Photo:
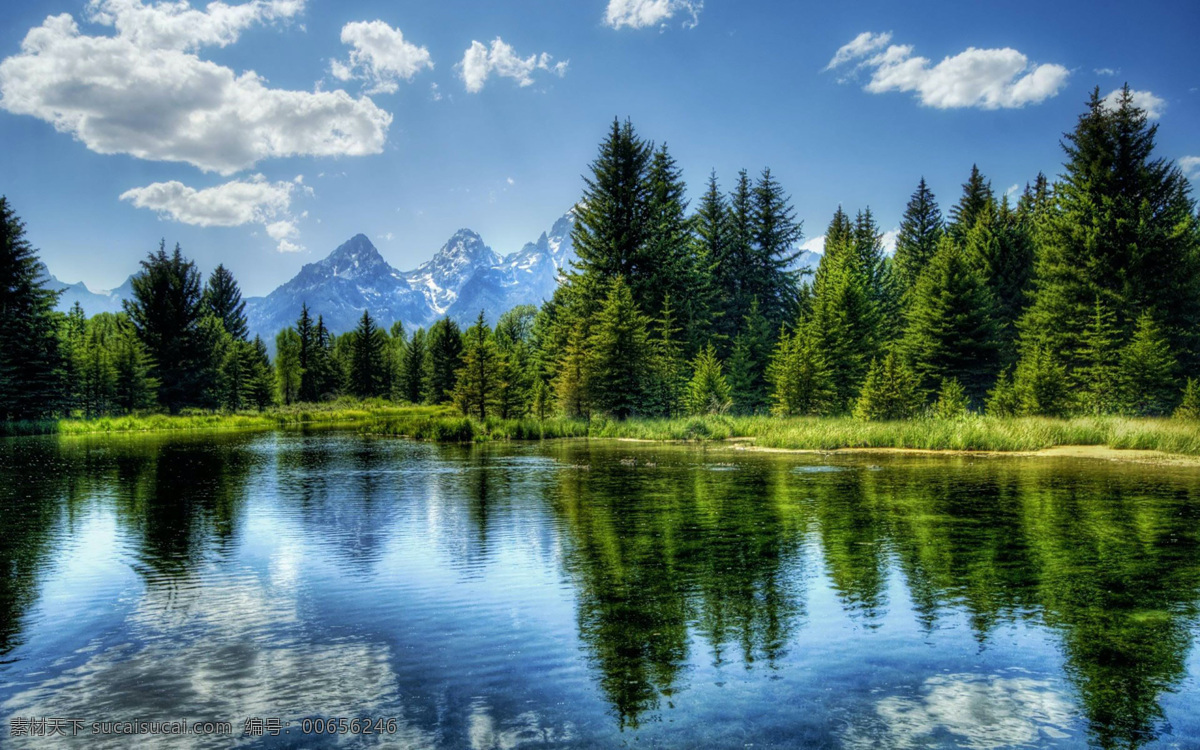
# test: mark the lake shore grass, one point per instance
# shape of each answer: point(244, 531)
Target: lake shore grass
point(340, 412)
point(970, 434)
point(444, 424)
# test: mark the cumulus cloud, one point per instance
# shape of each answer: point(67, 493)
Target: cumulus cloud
point(1153, 106)
point(983, 78)
point(145, 92)
point(638, 14)
point(381, 56)
point(480, 61)
point(860, 46)
point(1190, 166)
point(234, 204)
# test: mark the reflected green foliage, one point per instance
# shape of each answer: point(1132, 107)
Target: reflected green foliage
point(678, 561)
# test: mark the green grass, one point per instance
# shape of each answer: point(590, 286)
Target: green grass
point(969, 434)
point(342, 411)
point(444, 424)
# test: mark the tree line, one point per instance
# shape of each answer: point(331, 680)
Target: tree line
point(1082, 297)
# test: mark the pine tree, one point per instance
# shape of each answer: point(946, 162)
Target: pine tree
point(1000, 248)
point(748, 362)
point(738, 269)
point(414, 371)
point(714, 246)
point(514, 342)
point(288, 372)
point(890, 392)
point(1041, 385)
point(72, 348)
point(481, 376)
point(952, 401)
point(166, 310)
point(98, 371)
point(261, 384)
point(1003, 400)
point(135, 385)
point(235, 376)
point(611, 227)
point(1147, 371)
point(951, 326)
point(368, 365)
point(29, 355)
point(620, 354)
point(671, 263)
point(572, 385)
point(1098, 374)
point(1122, 216)
point(800, 378)
point(665, 389)
point(445, 357)
point(1189, 407)
point(771, 281)
point(708, 392)
point(307, 356)
point(921, 230)
point(543, 399)
point(977, 199)
point(881, 284)
point(223, 299)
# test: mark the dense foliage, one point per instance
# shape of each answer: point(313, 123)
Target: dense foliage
point(1082, 298)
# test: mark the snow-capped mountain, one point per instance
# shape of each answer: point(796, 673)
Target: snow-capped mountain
point(354, 277)
point(462, 278)
point(442, 277)
point(527, 277)
point(93, 303)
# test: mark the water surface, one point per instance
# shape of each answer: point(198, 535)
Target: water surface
point(595, 594)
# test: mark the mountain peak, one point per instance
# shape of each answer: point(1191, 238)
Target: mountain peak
point(354, 258)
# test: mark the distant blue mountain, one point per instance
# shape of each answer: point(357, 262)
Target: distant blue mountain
point(92, 303)
point(462, 278)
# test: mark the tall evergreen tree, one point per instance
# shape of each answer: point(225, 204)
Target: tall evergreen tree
point(714, 250)
point(572, 384)
point(29, 353)
point(1000, 247)
point(445, 357)
point(890, 392)
point(166, 310)
point(261, 385)
point(481, 377)
point(1122, 216)
point(414, 371)
point(307, 357)
point(921, 230)
point(135, 385)
point(672, 265)
point(288, 372)
point(665, 389)
point(620, 354)
point(977, 199)
point(748, 362)
point(223, 299)
point(611, 227)
point(368, 364)
point(771, 279)
point(514, 343)
point(951, 330)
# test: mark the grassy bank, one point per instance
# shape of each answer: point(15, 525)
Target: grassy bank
point(443, 424)
point(346, 411)
point(972, 434)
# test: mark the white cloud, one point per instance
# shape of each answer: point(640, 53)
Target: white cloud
point(289, 247)
point(1153, 106)
point(1190, 166)
point(511, 181)
point(434, 93)
point(983, 78)
point(380, 56)
point(981, 712)
point(233, 204)
point(888, 240)
point(144, 91)
point(480, 61)
point(639, 14)
point(860, 46)
point(1105, 72)
point(814, 245)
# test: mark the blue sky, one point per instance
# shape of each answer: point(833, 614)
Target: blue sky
point(263, 134)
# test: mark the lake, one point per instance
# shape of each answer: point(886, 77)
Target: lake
point(602, 594)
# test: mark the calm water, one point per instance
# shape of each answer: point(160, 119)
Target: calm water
point(603, 595)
